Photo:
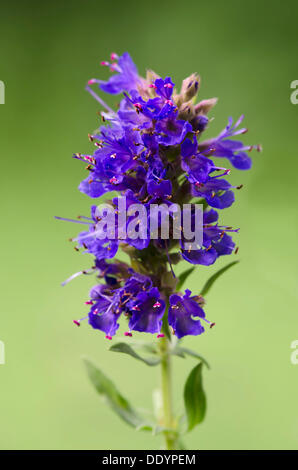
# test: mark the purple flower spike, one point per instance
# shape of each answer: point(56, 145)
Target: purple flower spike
point(151, 152)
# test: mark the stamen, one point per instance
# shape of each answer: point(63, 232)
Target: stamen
point(72, 220)
point(90, 271)
point(78, 322)
point(99, 100)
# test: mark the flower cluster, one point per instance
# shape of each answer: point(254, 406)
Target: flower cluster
point(152, 152)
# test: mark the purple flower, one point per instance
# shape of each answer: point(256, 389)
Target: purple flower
point(172, 131)
point(157, 185)
point(234, 151)
point(185, 314)
point(126, 77)
point(216, 242)
point(196, 165)
point(137, 299)
point(148, 309)
point(164, 88)
point(105, 311)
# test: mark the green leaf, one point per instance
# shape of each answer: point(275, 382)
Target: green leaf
point(105, 387)
point(127, 349)
point(194, 398)
point(183, 277)
point(145, 346)
point(215, 276)
point(179, 351)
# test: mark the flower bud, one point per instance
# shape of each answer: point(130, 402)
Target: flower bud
point(203, 107)
point(190, 87)
point(187, 112)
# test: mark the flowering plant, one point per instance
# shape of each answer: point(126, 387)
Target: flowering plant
point(152, 153)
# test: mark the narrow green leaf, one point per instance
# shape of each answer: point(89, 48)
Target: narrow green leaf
point(105, 387)
point(194, 397)
point(215, 276)
point(180, 351)
point(183, 277)
point(127, 349)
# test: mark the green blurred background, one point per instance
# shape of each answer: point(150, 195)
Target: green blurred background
point(246, 54)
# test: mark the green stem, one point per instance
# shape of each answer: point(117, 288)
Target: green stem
point(166, 389)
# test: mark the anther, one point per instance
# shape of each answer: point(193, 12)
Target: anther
point(138, 106)
point(157, 304)
point(212, 325)
point(76, 322)
point(108, 337)
point(160, 335)
point(127, 333)
point(114, 56)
